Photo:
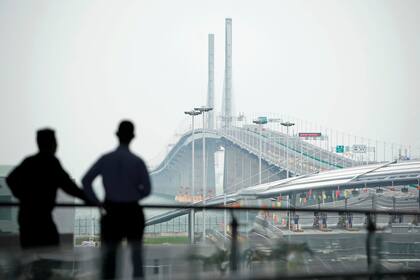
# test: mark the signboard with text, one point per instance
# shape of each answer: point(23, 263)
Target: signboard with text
point(359, 148)
point(310, 134)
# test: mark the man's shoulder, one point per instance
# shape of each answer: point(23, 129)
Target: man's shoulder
point(37, 162)
point(136, 158)
point(116, 154)
point(32, 159)
point(106, 156)
point(110, 156)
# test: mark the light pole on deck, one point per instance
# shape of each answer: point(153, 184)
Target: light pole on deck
point(260, 121)
point(204, 110)
point(192, 113)
point(287, 125)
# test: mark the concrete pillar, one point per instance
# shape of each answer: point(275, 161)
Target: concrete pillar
point(210, 87)
point(227, 111)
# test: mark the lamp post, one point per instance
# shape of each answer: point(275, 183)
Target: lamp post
point(276, 120)
point(260, 121)
point(287, 125)
point(192, 113)
point(204, 110)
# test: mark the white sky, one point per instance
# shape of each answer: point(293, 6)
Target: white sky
point(81, 66)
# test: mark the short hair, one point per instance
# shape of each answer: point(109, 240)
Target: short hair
point(125, 131)
point(45, 139)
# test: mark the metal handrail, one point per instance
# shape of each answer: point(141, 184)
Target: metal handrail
point(242, 208)
point(371, 228)
point(343, 275)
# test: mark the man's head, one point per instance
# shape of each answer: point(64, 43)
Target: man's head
point(125, 132)
point(46, 141)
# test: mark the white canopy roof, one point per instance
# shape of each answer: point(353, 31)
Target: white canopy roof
point(374, 175)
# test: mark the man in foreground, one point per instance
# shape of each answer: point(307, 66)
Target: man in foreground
point(126, 181)
point(34, 183)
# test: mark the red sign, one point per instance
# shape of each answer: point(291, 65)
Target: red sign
point(309, 134)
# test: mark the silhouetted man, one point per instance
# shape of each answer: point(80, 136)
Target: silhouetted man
point(126, 181)
point(35, 182)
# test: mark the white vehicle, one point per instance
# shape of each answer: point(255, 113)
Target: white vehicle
point(88, 244)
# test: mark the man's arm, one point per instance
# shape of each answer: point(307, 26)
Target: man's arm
point(69, 186)
point(145, 186)
point(16, 180)
point(87, 180)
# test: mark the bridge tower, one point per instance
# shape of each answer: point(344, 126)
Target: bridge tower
point(227, 112)
point(210, 87)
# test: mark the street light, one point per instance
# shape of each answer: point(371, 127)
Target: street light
point(204, 110)
point(260, 121)
point(192, 113)
point(287, 125)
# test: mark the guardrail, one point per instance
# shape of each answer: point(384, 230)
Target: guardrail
point(234, 243)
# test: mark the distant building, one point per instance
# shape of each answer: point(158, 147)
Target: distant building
point(8, 215)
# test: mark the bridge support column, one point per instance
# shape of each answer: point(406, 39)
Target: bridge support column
point(191, 226)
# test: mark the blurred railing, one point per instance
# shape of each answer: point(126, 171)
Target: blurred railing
point(246, 242)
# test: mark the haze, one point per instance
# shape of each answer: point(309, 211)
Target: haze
point(82, 66)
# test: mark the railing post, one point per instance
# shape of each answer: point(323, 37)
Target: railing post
point(374, 205)
point(234, 245)
point(191, 226)
point(155, 266)
point(418, 187)
point(371, 228)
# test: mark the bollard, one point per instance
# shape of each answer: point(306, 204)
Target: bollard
point(316, 220)
point(234, 245)
point(155, 266)
point(371, 228)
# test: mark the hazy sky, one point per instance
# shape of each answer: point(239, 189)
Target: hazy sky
point(81, 66)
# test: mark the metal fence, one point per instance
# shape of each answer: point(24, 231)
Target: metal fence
point(263, 250)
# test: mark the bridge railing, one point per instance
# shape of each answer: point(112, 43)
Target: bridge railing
point(303, 157)
point(243, 241)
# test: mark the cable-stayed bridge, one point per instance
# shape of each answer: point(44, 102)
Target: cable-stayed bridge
point(241, 148)
point(245, 151)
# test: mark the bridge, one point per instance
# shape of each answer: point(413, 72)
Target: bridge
point(241, 148)
point(256, 149)
point(265, 156)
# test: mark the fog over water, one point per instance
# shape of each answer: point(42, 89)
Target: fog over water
point(81, 66)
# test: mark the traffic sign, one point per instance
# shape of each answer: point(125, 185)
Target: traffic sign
point(262, 120)
point(339, 149)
